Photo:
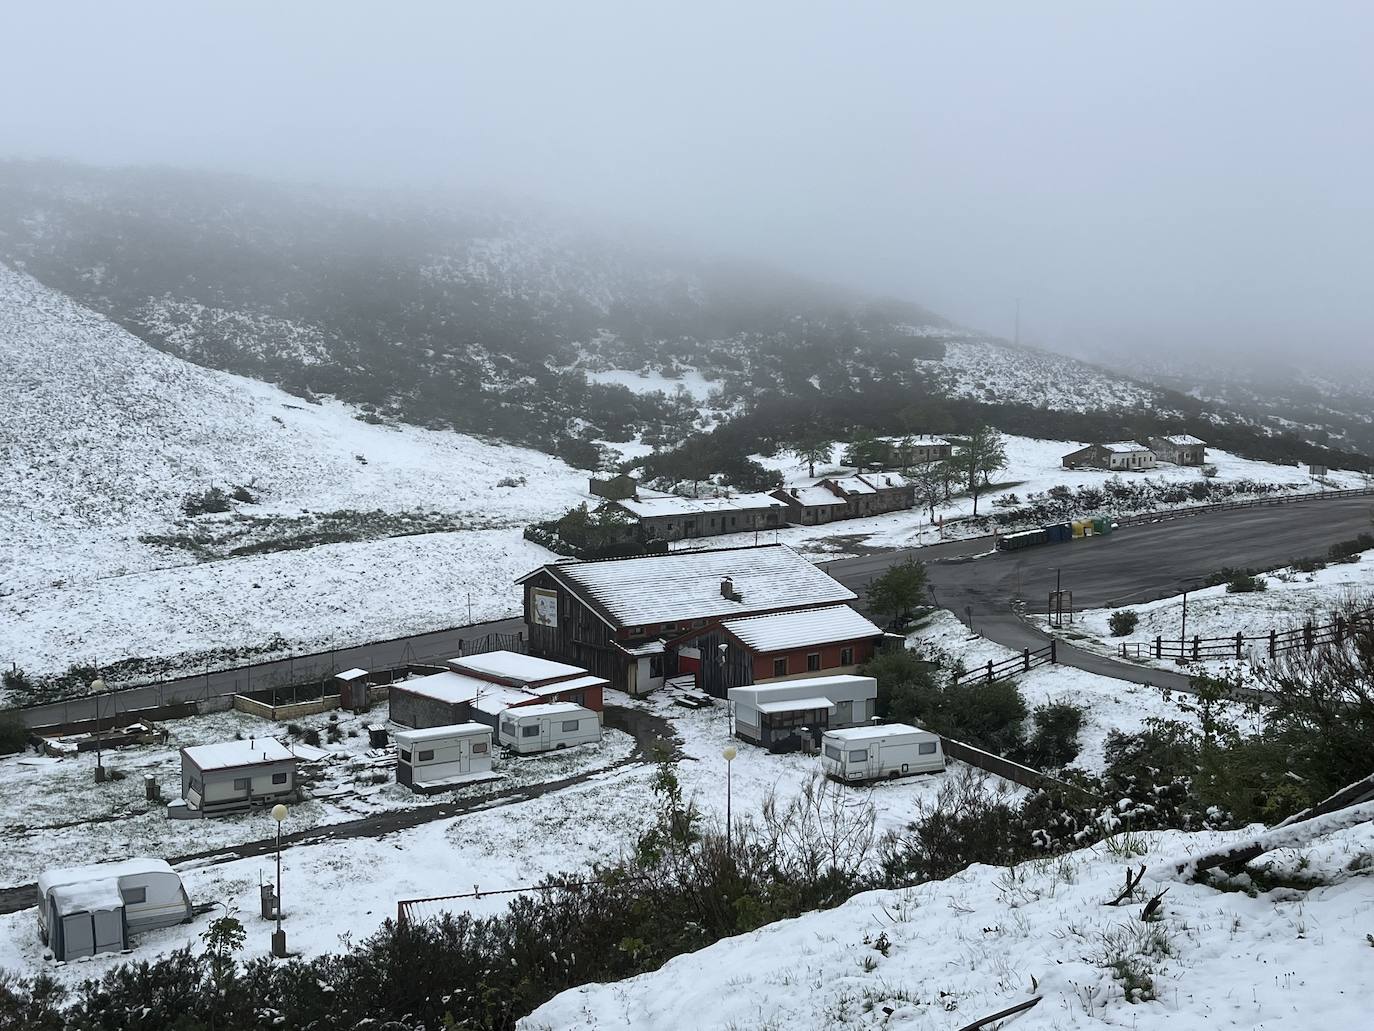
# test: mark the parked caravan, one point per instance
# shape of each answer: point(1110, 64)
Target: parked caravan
point(776, 715)
point(527, 729)
point(872, 753)
point(85, 910)
point(438, 755)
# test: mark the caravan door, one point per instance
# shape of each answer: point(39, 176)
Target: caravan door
point(545, 738)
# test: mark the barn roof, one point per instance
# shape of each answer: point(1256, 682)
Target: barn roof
point(782, 631)
point(686, 584)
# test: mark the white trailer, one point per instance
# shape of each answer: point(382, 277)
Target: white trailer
point(871, 753)
point(437, 756)
point(541, 728)
point(84, 910)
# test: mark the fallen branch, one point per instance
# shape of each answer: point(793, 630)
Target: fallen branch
point(1020, 1007)
point(1131, 884)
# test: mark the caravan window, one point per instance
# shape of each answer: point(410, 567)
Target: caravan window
point(831, 752)
point(508, 728)
point(531, 731)
point(426, 755)
point(278, 778)
point(134, 896)
point(926, 748)
point(569, 726)
point(859, 755)
point(405, 755)
point(242, 783)
point(479, 748)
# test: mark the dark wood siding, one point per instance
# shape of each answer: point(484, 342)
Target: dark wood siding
point(581, 637)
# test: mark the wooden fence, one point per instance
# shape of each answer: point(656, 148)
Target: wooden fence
point(1240, 645)
point(1008, 668)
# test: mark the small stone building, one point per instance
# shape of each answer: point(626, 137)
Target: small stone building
point(1180, 449)
point(1120, 456)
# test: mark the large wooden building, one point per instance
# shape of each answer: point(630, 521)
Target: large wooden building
point(672, 518)
point(637, 621)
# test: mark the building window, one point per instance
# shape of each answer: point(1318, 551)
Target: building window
point(655, 666)
point(668, 626)
point(242, 783)
point(698, 622)
point(134, 896)
point(847, 656)
point(530, 731)
point(636, 631)
point(780, 667)
point(926, 748)
point(426, 755)
point(278, 778)
point(479, 748)
point(813, 662)
point(570, 726)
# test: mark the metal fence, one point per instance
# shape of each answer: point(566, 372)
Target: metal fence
point(1008, 668)
point(1240, 645)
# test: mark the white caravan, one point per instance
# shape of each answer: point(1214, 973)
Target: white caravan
point(870, 753)
point(541, 728)
point(84, 910)
point(439, 754)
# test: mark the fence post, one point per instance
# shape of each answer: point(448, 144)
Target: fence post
point(1054, 654)
point(1197, 647)
point(989, 671)
point(1340, 629)
point(1273, 643)
point(1240, 643)
point(1307, 641)
point(1159, 646)
point(1025, 659)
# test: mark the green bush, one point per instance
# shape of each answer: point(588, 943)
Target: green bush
point(1245, 583)
point(1053, 741)
point(212, 500)
point(1123, 622)
point(14, 736)
point(15, 679)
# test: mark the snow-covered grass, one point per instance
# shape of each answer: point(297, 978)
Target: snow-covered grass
point(1290, 598)
point(642, 382)
point(53, 807)
point(101, 439)
point(1110, 704)
point(941, 954)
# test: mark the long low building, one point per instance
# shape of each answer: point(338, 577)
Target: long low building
point(481, 687)
point(671, 518)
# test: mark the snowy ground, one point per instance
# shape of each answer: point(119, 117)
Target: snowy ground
point(651, 382)
point(51, 807)
point(507, 846)
point(1110, 704)
point(1290, 599)
point(941, 954)
point(101, 439)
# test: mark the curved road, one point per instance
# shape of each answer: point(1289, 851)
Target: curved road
point(1132, 565)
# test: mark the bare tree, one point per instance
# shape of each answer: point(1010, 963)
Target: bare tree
point(984, 453)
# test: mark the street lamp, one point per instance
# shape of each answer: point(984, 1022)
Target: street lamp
point(279, 936)
point(729, 753)
point(96, 689)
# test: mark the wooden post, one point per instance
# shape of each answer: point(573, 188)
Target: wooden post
point(1197, 647)
point(1159, 646)
point(1273, 643)
point(1025, 659)
point(989, 671)
point(1054, 654)
point(1340, 629)
point(1307, 640)
point(1240, 643)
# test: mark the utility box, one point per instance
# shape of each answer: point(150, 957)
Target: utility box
point(268, 897)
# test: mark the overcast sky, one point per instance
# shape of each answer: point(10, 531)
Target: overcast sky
point(1136, 173)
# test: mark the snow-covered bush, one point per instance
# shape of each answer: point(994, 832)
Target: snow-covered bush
point(1122, 622)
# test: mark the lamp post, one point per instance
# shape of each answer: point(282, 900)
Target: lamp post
point(98, 688)
point(729, 753)
point(279, 936)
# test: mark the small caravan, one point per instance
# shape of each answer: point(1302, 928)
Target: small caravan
point(85, 910)
point(438, 755)
point(871, 753)
point(541, 728)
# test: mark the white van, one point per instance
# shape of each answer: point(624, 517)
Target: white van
point(85, 910)
point(870, 753)
point(541, 728)
point(439, 754)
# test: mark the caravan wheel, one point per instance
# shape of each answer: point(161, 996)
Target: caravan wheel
point(893, 775)
point(560, 746)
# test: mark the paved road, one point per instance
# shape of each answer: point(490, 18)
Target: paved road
point(652, 735)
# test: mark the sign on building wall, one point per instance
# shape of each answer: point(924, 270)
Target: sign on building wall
point(544, 606)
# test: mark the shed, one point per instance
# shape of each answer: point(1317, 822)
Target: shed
point(437, 757)
point(354, 690)
point(85, 910)
point(235, 776)
point(769, 714)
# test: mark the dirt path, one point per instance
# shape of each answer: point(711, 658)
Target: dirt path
point(651, 734)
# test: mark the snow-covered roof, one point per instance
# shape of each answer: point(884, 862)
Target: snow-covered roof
point(1124, 447)
point(657, 647)
point(679, 506)
point(795, 705)
point(884, 730)
point(350, 674)
point(406, 737)
point(525, 669)
point(854, 485)
point(686, 584)
point(88, 896)
point(815, 495)
point(918, 440)
point(839, 688)
point(577, 683)
point(101, 871)
point(451, 688)
point(784, 630)
point(497, 698)
point(550, 709)
point(229, 754)
point(1183, 439)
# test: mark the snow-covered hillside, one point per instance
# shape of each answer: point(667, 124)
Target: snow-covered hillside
point(102, 438)
point(1001, 374)
point(941, 954)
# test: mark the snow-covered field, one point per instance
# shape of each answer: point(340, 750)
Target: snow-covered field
point(101, 439)
point(506, 846)
point(944, 953)
point(1290, 598)
point(650, 382)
